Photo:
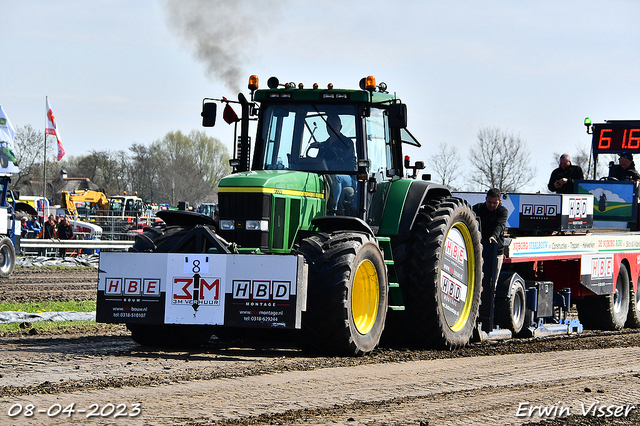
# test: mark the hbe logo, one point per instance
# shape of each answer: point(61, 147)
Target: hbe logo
point(132, 287)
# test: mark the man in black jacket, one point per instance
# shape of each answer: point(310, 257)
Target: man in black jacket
point(493, 220)
point(65, 232)
point(626, 169)
point(562, 178)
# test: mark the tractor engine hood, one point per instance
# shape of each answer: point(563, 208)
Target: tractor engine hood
point(286, 182)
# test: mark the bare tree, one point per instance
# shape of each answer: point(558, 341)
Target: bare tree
point(190, 166)
point(143, 172)
point(446, 165)
point(29, 146)
point(500, 160)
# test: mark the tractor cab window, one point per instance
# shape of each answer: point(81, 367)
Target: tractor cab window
point(378, 146)
point(308, 137)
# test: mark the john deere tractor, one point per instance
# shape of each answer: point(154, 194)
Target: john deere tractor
point(319, 232)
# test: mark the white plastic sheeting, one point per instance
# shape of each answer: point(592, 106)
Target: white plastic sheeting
point(9, 316)
point(80, 260)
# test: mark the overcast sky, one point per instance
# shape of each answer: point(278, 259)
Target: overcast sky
point(118, 72)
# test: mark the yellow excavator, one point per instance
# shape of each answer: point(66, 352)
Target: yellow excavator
point(85, 202)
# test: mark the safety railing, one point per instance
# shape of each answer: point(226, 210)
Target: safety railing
point(75, 244)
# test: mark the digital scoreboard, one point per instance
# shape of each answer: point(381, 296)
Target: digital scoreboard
point(614, 137)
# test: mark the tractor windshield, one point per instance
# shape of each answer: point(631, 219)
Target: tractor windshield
point(308, 137)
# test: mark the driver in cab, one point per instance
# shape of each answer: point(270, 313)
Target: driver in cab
point(339, 154)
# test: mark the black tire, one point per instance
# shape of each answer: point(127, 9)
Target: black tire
point(160, 240)
point(7, 257)
point(438, 318)
point(347, 294)
point(633, 317)
point(607, 312)
point(510, 309)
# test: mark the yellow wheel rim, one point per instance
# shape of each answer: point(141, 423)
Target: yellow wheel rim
point(365, 297)
point(469, 275)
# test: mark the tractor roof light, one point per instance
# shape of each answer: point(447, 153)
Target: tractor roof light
point(290, 85)
point(273, 83)
point(382, 87)
point(370, 83)
point(330, 86)
point(253, 83)
point(300, 86)
point(315, 85)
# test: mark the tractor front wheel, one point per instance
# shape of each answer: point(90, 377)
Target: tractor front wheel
point(347, 294)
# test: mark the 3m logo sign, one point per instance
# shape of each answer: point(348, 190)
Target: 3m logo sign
point(132, 287)
point(192, 290)
point(577, 208)
point(258, 290)
point(539, 210)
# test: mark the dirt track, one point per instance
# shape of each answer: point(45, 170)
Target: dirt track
point(231, 382)
point(36, 284)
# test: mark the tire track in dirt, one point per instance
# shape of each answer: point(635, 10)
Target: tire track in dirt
point(435, 391)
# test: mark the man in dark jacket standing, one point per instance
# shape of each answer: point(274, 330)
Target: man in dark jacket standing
point(65, 232)
point(493, 220)
point(562, 179)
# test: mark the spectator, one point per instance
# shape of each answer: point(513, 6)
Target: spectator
point(23, 227)
point(48, 231)
point(33, 228)
point(626, 169)
point(65, 232)
point(562, 179)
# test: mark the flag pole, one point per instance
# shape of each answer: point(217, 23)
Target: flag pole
point(44, 179)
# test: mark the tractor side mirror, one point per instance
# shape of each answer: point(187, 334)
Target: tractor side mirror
point(209, 114)
point(397, 116)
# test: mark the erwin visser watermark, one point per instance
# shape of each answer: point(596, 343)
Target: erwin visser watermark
point(594, 409)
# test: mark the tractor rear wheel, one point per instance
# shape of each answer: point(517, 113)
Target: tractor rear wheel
point(161, 240)
point(347, 294)
point(443, 281)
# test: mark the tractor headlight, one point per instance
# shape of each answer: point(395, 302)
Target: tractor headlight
point(257, 225)
point(227, 225)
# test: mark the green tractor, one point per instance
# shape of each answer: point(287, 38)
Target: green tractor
point(319, 231)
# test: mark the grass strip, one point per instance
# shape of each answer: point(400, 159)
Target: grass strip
point(50, 306)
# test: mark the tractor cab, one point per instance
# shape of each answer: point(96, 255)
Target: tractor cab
point(335, 151)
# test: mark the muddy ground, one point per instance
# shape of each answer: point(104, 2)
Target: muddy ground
point(590, 379)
